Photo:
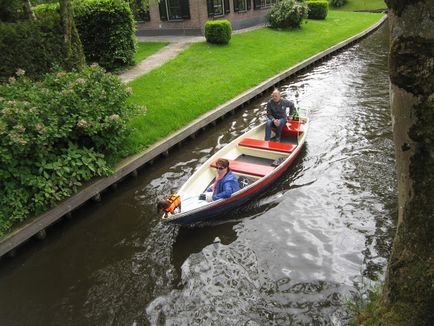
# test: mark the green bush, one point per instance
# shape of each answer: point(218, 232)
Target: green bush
point(34, 46)
point(218, 31)
point(337, 3)
point(287, 14)
point(318, 9)
point(55, 135)
point(107, 32)
point(11, 10)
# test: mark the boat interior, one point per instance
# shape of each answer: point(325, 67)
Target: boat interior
point(250, 158)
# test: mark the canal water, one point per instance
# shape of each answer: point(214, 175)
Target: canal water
point(294, 256)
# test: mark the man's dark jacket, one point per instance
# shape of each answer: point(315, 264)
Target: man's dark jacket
point(277, 110)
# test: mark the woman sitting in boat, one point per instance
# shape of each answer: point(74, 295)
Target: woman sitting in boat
point(225, 184)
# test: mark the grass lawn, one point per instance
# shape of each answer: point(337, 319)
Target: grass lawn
point(352, 5)
point(205, 76)
point(145, 49)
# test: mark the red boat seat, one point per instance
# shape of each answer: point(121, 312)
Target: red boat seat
point(292, 128)
point(267, 145)
point(248, 168)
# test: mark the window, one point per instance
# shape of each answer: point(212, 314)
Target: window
point(259, 4)
point(174, 9)
point(242, 5)
point(218, 8)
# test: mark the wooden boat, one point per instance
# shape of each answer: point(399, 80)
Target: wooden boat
point(257, 164)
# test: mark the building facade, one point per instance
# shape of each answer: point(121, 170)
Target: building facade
point(188, 17)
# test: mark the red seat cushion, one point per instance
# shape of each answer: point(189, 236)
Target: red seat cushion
point(293, 128)
point(248, 168)
point(268, 145)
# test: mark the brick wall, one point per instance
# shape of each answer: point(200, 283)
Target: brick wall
point(199, 15)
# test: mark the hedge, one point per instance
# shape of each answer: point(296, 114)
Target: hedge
point(34, 46)
point(106, 29)
point(337, 3)
point(54, 135)
point(218, 31)
point(107, 32)
point(318, 9)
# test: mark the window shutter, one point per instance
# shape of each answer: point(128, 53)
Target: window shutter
point(249, 4)
point(185, 9)
point(163, 11)
point(236, 8)
point(210, 7)
point(257, 4)
point(227, 7)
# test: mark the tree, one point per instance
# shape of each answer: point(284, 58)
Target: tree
point(408, 296)
point(27, 8)
point(73, 48)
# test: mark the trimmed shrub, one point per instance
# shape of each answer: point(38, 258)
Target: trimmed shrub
point(337, 3)
point(218, 31)
point(54, 135)
point(34, 46)
point(287, 14)
point(107, 32)
point(318, 9)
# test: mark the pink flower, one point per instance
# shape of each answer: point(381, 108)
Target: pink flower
point(82, 124)
point(20, 72)
point(39, 127)
point(20, 128)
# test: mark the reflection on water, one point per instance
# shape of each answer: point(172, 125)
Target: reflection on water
point(290, 257)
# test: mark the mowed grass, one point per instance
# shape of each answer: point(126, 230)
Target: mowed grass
point(145, 49)
point(205, 76)
point(352, 5)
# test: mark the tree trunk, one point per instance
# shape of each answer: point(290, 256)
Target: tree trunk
point(73, 48)
point(27, 8)
point(408, 296)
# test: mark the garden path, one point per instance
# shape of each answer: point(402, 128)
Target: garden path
point(176, 45)
point(157, 59)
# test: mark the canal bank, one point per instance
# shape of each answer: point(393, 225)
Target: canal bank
point(37, 227)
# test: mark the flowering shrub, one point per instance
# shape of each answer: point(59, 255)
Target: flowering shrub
point(287, 14)
point(54, 135)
